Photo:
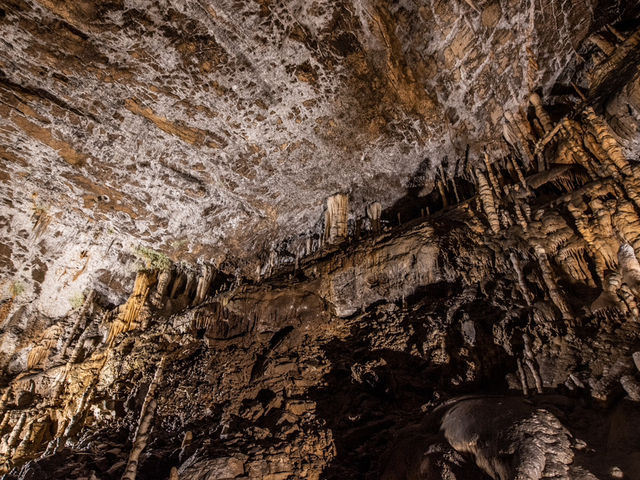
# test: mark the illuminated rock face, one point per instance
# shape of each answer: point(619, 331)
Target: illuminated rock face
point(178, 305)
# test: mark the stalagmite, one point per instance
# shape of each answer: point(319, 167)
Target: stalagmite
point(204, 282)
point(486, 197)
point(630, 268)
point(374, 212)
point(336, 218)
point(144, 425)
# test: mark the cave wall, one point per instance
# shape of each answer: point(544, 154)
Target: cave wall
point(482, 323)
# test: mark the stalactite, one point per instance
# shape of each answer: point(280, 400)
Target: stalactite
point(129, 313)
point(529, 361)
point(505, 220)
point(190, 285)
point(541, 113)
point(548, 137)
point(573, 137)
point(602, 43)
point(40, 352)
point(78, 417)
point(178, 284)
point(573, 262)
point(521, 218)
point(443, 193)
point(495, 186)
point(629, 300)
point(615, 61)
point(609, 143)
point(204, 282)
point(336, 226)
point(597, 151)
point(486, 197)
point(374, 212)
point(14, 436)
point(599, 248)
point(549, 280)
point(631, 386)
point(627, 223)
point(308, 245)
point(516, 167)
point(82, 317)
point(455, 190)
point(523, 135)
point(608, 300)
point(141, 436)
point(159, 296)
point(522, 377)
point(520, 277)
point(534, 374)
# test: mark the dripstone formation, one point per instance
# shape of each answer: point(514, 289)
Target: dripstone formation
point(482, 324)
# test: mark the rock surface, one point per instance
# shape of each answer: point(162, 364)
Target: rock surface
point(198, 128)
point(484, 326)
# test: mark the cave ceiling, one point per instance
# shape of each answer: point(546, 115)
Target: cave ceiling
point(214, 131)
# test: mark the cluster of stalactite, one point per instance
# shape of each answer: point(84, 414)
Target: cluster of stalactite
point(165, 291)
point(548, 157)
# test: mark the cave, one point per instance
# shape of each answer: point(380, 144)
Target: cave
point(318, 240)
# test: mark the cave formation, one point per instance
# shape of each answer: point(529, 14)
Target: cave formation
point(351, 239)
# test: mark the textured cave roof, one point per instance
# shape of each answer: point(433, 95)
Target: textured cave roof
point(211, 130)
